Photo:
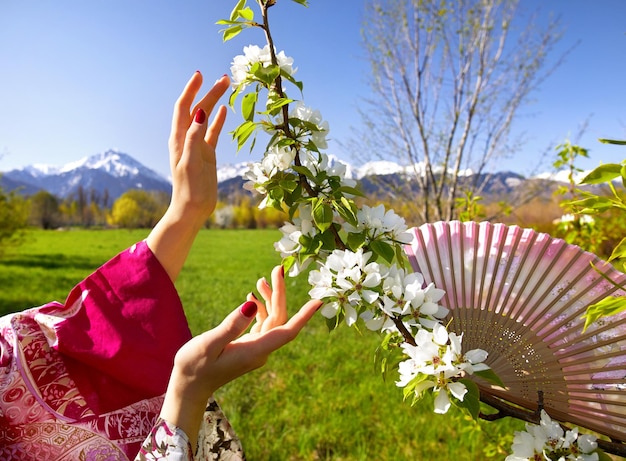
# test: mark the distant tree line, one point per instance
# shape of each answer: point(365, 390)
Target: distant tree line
point(135, 208)
point(88, 208)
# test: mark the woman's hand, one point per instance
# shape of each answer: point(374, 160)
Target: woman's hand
point(220, 355)
point(192, 146)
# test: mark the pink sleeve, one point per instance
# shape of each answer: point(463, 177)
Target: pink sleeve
point(120, 330)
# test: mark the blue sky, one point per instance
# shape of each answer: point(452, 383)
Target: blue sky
point(80, 77)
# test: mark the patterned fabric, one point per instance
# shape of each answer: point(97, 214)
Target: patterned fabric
point(85, 380)
point(216, 441)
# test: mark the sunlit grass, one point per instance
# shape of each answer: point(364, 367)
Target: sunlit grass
point(318, 398)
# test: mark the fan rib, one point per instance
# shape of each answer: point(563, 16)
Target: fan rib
point(520, 295)
point(593, 343)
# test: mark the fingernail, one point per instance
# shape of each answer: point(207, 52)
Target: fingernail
point(253, 295)
point(282, 271)
point(248, 309)
point(200, 116)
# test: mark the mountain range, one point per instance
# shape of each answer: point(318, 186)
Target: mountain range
point(111, 173)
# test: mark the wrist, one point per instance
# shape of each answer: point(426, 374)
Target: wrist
point(184, 405)
point(189, 214)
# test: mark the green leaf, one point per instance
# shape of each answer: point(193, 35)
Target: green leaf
point(400, 256)
point(288, 262)
point(356, 241)
point(304, 171)
point(346, 209)
point(593, 204)
point(310, 245)
point(301, 2)
point(235, 12)
point(288, 184)
point(471, 400)
point(333, 322)
point(609, 141)
point(491, 376)
point(290, 78)
point(322, 215)
point(226, 22)
point(602, 456)
point(276, 193)
point(267, 74)
point(231, 32)
point(243, 132)
point(603, 173)
point(351, 190)
point(248, 103)
point(246, 13)
point(610, 305)
point(619, 251)
point(328, 240)
point(234, 94)
point(382, 249)
point(273, 105)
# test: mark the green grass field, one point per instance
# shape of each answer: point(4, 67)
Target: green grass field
point(316, 399)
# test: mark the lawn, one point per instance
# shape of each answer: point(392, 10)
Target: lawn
point(318, 398)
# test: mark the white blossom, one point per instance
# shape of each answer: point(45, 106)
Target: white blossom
point(403, 296)
point(279, 158)
point(381, 224)
point(290, 244)
point(276, 159)
point(317, 162)
point(300, 111)
point(437, 358)
point(256, 176)
point(549, 441)
point(240, 67)
point(345, 281)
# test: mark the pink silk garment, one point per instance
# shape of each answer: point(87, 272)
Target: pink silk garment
point(84, 380)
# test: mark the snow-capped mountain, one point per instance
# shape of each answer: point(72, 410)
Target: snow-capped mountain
point(109, 172)
point(112, 173)
point(379, 167)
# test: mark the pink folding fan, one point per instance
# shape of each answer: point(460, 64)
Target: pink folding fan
point(520, 295)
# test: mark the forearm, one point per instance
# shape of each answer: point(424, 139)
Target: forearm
point(171, 239)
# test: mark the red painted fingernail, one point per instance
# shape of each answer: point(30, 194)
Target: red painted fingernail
point(248, 309)
point(282, 271)
point(200, 116)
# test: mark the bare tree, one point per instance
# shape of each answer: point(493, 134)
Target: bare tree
point(447, 79)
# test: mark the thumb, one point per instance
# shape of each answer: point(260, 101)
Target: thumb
point(234, 325)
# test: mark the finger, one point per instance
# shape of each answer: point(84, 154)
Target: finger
point(278, 312)
point(213, 133)
point(198, 128)
point(215, 93)
point(181, 118)
point(265, 290)
point(300, 318)
point(231, 328)
point(261, 314)
point(283, 334)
